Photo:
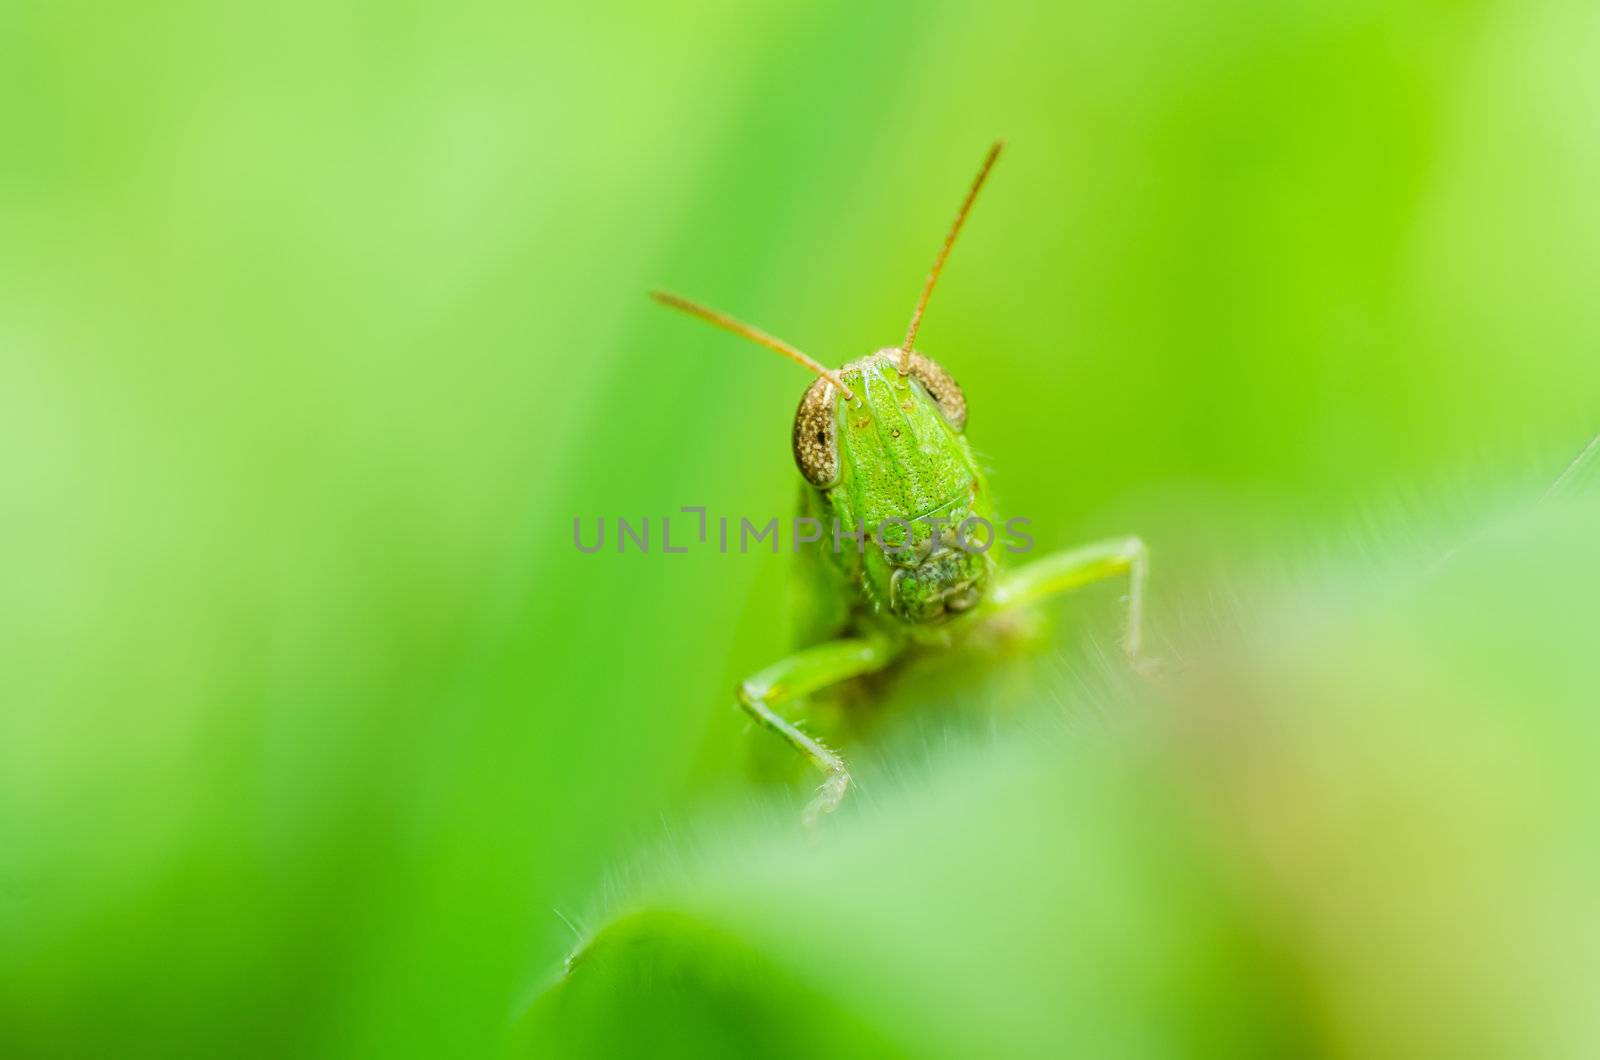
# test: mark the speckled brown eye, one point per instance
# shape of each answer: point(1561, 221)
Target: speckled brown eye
point(942, 388)
point(816, 449)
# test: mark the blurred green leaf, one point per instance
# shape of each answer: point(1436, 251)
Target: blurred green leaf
point(1334, 836)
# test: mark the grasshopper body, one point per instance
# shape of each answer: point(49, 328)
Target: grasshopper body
point(881, 446)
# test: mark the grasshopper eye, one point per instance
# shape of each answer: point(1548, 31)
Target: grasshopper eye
point(816, 449)
point(942, 388)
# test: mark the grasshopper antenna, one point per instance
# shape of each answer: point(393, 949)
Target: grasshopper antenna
point(756, 335)
point(944, 252)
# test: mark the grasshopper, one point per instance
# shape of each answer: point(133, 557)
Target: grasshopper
point(881, 443)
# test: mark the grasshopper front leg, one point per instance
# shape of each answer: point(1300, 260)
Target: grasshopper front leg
point(1063, 571)
point(806, 671)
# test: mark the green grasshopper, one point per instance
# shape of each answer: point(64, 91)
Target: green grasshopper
point(880, 443)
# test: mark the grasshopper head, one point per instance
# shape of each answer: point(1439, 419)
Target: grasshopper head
point(924, 396)
point(893, 459)
point(880, 441)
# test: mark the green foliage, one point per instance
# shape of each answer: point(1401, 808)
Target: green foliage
point(319, 324)
point(1359, 828)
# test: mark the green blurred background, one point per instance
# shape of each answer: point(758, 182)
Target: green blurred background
point(319, 324)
